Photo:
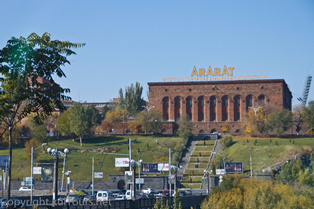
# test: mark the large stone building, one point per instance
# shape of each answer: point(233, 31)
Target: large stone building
point(210, 103)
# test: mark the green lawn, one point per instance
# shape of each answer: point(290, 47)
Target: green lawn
point(201, 154)
point(194, 172)
point(202, 148)
point(266, 152)
point(189, 179)
point(81, 163)
point(199, 159)
point(207, 143)
point(190, 186)
point(200, 165)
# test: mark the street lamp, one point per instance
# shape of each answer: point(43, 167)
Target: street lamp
point(158, 142)
point(68, 181)
point(93, 172)
point(65, 151)
point(32, 156)
point(255, 109)
point(133, 164)
point(175, 169)
point(54, 153)
point(223, 158)
point(139, 173)
point(206, 172)
point(148, 107)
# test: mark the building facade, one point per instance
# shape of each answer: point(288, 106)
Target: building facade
point(210, 103)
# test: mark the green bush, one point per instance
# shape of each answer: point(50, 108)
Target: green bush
point(227, 141)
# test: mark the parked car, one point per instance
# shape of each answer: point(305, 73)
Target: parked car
point(72, 198)
point(128, 194)
point(188, 192)
point(122, 191)
point(148, 190)
point(120, 197)
point(182, 193)
point(165, 193)
point(89, 198)
point(104, 195)
point(25, 189)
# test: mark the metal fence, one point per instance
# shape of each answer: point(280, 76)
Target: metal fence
point(187, 203)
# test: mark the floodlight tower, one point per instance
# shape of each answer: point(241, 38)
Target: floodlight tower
point(306, 89)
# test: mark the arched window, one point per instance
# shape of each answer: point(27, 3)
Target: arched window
point(179, 103)
point(190, 102)
point(226, 102)
point(214, 102)
point(202, 116)
point(250, 102)
point(190, 116)
point(202, 102)
point(167, 103)
point(214, 115)
point(238, 102)
point(167, 116)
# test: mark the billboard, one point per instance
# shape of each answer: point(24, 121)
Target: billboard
point(121, 162)
point(220, 171)
point(36, 170)
point(4, 162)
point(150, 168)
point(47, 174)
point(163, 166)
point(234, 167)
point(27, 181)
point(98, 175)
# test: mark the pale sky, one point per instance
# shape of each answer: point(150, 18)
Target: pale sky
point(145, 41)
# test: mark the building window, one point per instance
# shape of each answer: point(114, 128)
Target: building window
point(262, 100)
point(250, 102)
point(179, 103)
point(202, 117)
point(226, 116)
point(238, 102)
point(214, 102)
point(178, 116)
point(190, 116)
point(226, 102)
point(167, 116)
point(167, 103)
point(190, 102)
point(214, 116)
point(238, 115)
point(202, 102)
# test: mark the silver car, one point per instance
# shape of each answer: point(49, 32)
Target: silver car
point(73, 198)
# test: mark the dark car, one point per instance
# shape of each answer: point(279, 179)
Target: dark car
point(188, 192)
point(165, 193)
point(182, 193)
point(122, 191)
point(89, 198)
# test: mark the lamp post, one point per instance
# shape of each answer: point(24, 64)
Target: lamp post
point(158, 142)
point(139, 173)
point(175, 169)
point(68, 181)
point(66, 151)
point(32, 156)
point(133, 164)
point(148, 108)
point(54, 153)
point(93, 175)
point(207, 175)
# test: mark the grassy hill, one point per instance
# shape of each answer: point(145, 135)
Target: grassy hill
point(81, 163)
point(265, 152)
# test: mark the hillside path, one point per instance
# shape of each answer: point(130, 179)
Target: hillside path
point(186, 157)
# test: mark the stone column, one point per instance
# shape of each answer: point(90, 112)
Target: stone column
point(231, 109)
point(194, 110)
point(218, 110)
point(171, 109)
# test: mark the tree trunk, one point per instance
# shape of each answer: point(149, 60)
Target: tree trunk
point(10, 162)
point(81, 137)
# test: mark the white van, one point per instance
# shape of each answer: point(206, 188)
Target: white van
point(128, 194)
point(104, 195)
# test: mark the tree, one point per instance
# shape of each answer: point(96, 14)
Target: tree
point(106, 126)
point(225, 127)
point(134, 127)
point(132, 101)
point(22, 62)
point(289, 172)
point(308, 115)
point(95, 116)
point(177, 200)
point(185, 129)
point(149, 120)
point(28, 149)
point(280, 121)
point(297, 112)
point(226, 141)
point(80, 120)
point(116, 117)
point(37, 131)
point(257, 123)
point(63, 122)
point(104, 111)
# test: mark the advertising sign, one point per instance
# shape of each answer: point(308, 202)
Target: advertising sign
point(28, 181)
point(220, 171)
point(36, 170)
point(47, 174)
point(4, 162)
point(122, 162)
point(150, 168)
point(234, 167)
point(139, 181)
point(98, 175)
point(128, 177)
point(163, 166)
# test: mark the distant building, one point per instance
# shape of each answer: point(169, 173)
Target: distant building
point(210, 103)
